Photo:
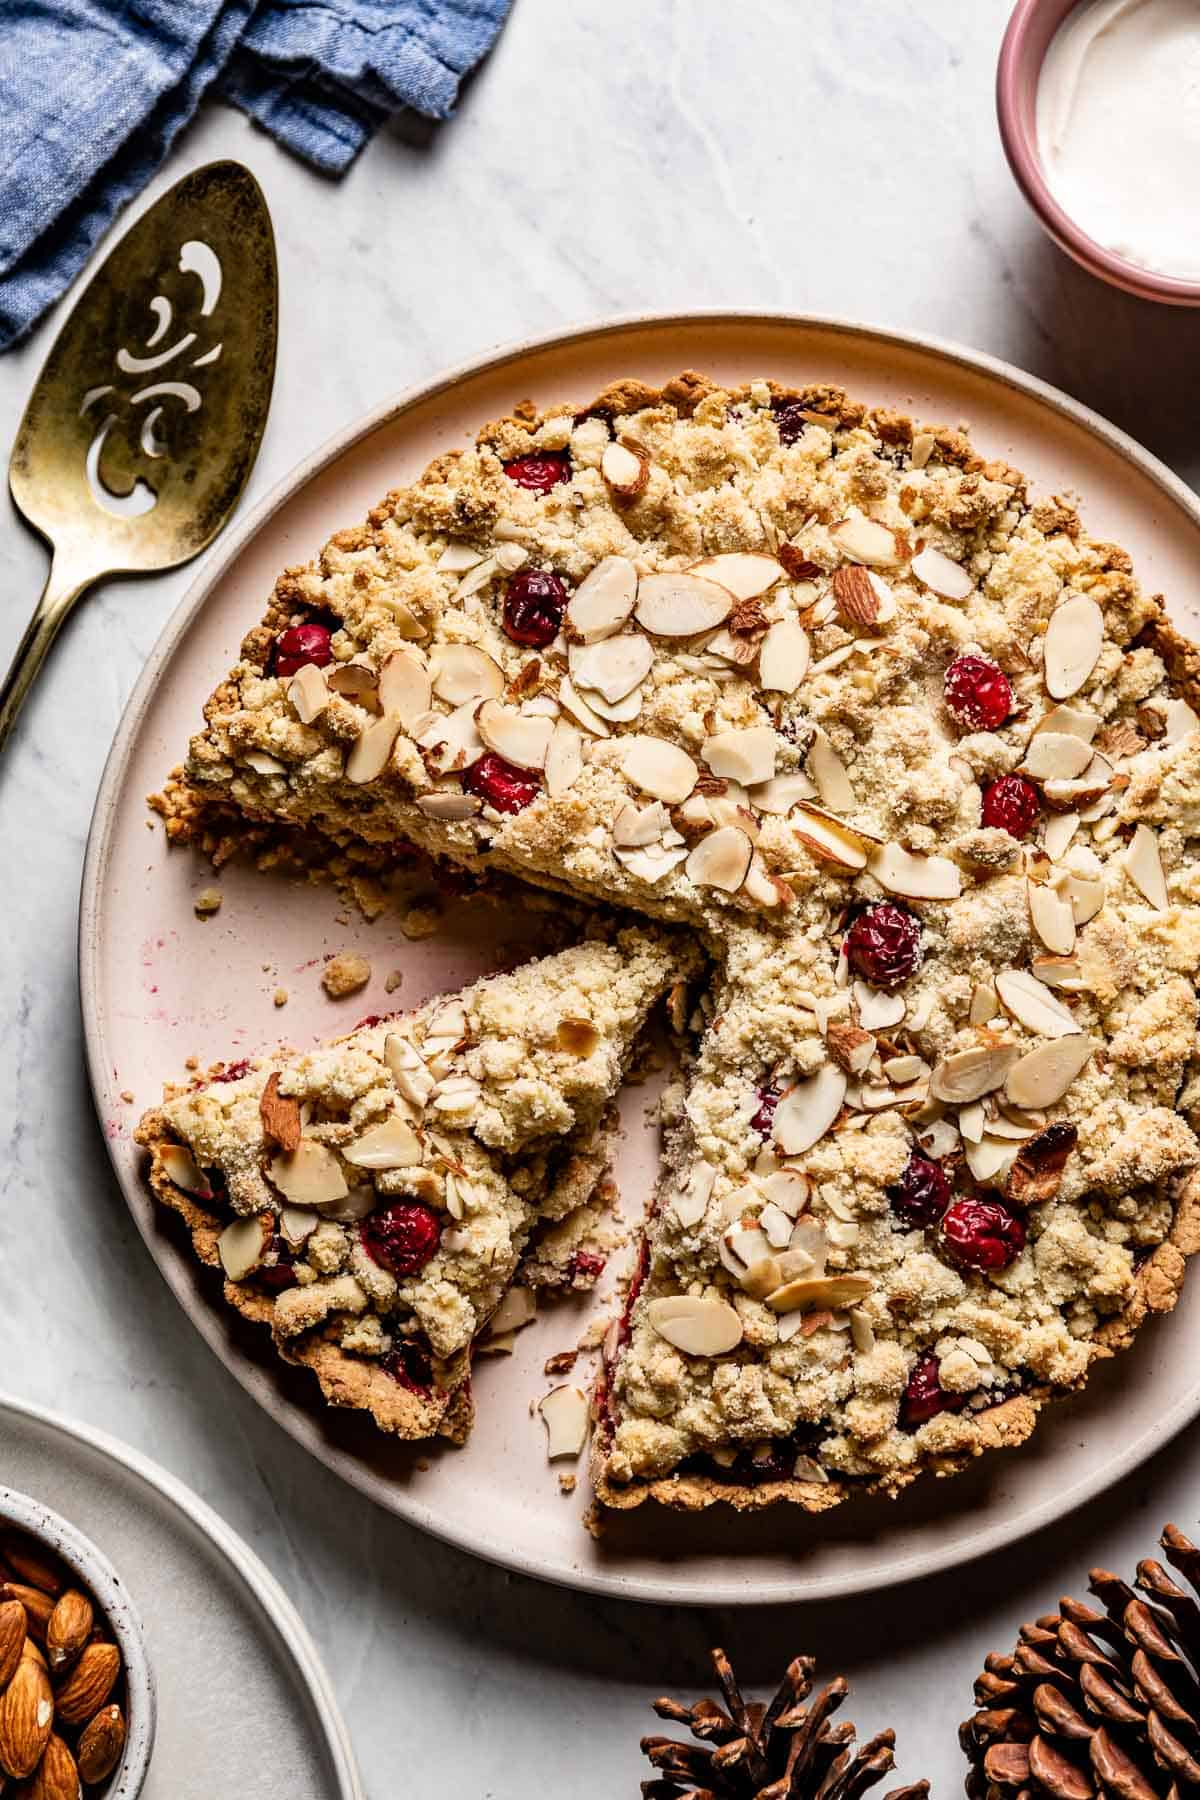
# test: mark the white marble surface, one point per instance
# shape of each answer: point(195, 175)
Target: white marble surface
point(830, 157)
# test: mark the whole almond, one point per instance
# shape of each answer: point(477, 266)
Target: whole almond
point(89, 1684)
point(33, 1652)
point(101, 1743)
point(26, 1718)
point(38, 1606)
point(69, 1628)
point(56, 1776)
point(31, 1563)
point(12, 1637)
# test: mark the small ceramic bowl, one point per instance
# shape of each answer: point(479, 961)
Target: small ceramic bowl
point(97, 1575)
point(1032, 26)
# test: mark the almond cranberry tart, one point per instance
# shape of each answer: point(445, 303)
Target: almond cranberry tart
point(915, 759)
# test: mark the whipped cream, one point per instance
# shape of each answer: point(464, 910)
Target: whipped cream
point(1118, 128)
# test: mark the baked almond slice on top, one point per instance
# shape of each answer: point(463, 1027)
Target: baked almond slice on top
point(369, 1200)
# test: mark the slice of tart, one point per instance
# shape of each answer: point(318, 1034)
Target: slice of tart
point(369, 1199)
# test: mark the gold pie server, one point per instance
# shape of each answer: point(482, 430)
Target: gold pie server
point(145, 422)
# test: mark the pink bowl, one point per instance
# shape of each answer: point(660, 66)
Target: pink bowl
point(1033, 24)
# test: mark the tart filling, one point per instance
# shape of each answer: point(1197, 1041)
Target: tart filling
point(918, 759)
point(370, 1200)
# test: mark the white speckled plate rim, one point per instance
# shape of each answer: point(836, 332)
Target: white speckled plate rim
point(1083, 1445)
point(307, 1669)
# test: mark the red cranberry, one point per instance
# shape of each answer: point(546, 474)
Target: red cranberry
point(982, 1234)
point(298, 645)
point(403, 1236)
point(924, 1396)
point(409, 1364)
point(541, 471)
point(500, 784)
point(789, 419)
point(585, 1267)
point(884, 944)
point(533, 607)
point(978, 693)
point(1012, 803)
point(922, 1194)
point(764, 1118)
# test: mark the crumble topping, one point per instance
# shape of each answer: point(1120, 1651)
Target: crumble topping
point(917, 760)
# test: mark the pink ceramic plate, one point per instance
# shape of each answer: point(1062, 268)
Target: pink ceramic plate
point(158, 987)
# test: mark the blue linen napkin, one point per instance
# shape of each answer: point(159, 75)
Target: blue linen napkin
point(94, 92)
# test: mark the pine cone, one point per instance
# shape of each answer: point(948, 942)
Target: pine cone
point(784, 1751)
point(1097, 1703)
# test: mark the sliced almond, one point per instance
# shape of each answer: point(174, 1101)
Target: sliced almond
point(1060, 972)
point(357, 681)
point(242, 1246)
point(310, 1176)
point(639, 825)
point(564, 758)
point(565, 1413)
point(613, 667)
point(984, 1004)
point(1058, 834)
point(1056, 755)
point(1076, 721)
point(625, 470)
point(391, 1145)
point(967, 1075)
point(517, 1309)
point(1072, 646)
point(658, 768)
point(830, 839)
point(603, 601)
point(1043, 1075)
point(819, 1292)
point(747, 755)
point(1086, 893)
point(308, 693)
point(572, 701)
point(618, 712)
point(746, 573)
point(863, 599)
point(690, 1203)
point(1180, 721)
point(457, 558)
point(1033, 1005)
point(449, 807)
point(916, 877)
point(263, 763)
point(865, 540)
point(830, 774)
point(699, 1325)
point(851, 1047)
point(408, 1069)
point(1143, 865)
point(783, 657)
point(372, 749)
point(941, 574)
point(1053, 919)
point(720, 860)
point(462, 672)
point(297, 1224)
point(280, 1115)
point(877, 1011)
point(806, 1111)
point(450, 741)
point(681, 604)
point(520, 739)
point(652, 862)
point(779, 795)
point(989, 1158)
point(181, 1168)
point(787, 1189)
